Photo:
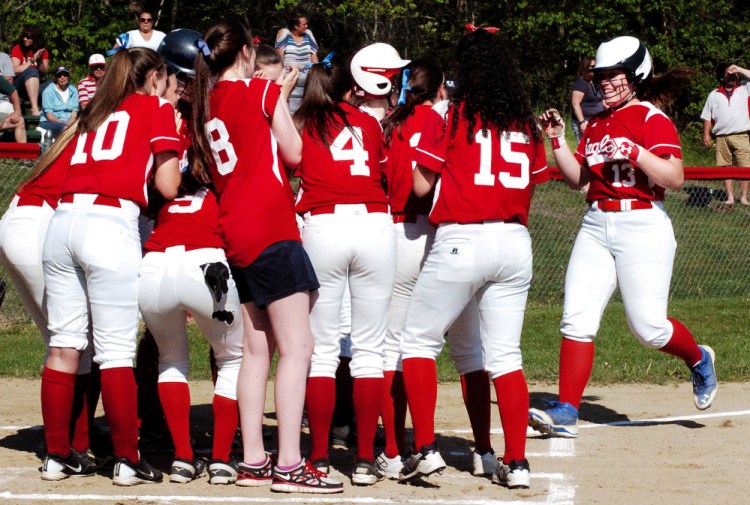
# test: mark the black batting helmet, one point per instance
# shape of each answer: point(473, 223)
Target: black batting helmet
point(179, 51)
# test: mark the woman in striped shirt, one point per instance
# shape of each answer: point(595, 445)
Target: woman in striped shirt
point(297, 47)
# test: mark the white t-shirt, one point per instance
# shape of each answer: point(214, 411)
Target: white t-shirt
point(730, 115)
point(135, 39)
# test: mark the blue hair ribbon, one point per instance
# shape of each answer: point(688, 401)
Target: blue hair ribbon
point(326, 62)
point(203, 47)
point(122, 39)
point(404, 87)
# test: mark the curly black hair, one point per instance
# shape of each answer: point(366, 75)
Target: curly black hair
point(491, 86)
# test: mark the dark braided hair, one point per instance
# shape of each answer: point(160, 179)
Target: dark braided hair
point(490, 87)
point(425, 79)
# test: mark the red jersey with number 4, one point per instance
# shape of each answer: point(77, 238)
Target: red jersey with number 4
point(189, 220)
point(117, 158)
point(401, 164)
point(641, 123)
point(256, 207)
point(348, 171)
point(487, 180)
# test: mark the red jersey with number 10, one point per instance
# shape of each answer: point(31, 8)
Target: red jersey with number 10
point(489, 179)
point(256, 206)
point(349, 170)
point(117, 158)
point(641, 123)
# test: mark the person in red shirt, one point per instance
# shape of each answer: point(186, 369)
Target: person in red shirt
point(628, 155)
point(349, 235)
point(484, 162)
point(92, 252)
point(242, 136)
point(30, 63)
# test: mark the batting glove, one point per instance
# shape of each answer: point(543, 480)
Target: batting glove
point(554, 127)
point(216, 276)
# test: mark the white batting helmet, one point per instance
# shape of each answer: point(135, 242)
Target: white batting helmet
point(372, 68)
point(627, 53)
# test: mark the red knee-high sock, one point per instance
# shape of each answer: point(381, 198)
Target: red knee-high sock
point(420, 381)
point(57, 405)
point(367, 399)
point(393, 413)
point(475, 387)
point(120, 401)
point(226, 418)
point(513, 404)
point(576, 362)
point(682, 344)
point(79, 422)
point(320, 400)
point(175, 402)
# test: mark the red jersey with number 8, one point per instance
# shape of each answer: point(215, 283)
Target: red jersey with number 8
point(347, 171)
point(489, 179)
point(117, 158)
point(256, 205)
point(641, 123)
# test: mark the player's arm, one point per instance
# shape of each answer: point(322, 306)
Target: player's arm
point(667, 173)
point(287, 136)
point(423, 180)
point(575, 175)
point(736, 69)
point(167, 174)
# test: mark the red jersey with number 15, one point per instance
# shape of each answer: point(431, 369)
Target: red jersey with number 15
point(256, 206)
point(117, 158)
point(349, 170)
point(487, 180)
point(641, 123)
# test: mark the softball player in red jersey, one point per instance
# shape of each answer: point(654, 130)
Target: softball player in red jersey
point(348, 234)
point(184, 244)
point(92, 252)
point(482, 250)
point(422, 86)
point(628, 155)
point(242, 134)
point(22, 233)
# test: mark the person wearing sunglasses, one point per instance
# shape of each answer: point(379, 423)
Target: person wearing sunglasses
point(144, 36)
point(87, 85)
point(30, 63)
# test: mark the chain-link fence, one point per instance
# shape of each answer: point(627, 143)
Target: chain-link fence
point(713, 252)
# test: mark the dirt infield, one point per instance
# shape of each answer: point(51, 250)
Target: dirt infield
point(638, 444)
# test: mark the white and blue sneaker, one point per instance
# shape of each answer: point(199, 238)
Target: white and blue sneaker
point(704, 379)
point(559, 420)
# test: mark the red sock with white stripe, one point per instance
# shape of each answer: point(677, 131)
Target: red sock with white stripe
point(394, 413)
point(175, 402)
point(513, 404)
point(226, 419)
point(576, 363)
point(120, 401)
point(682, 344)
point(367, 399)
point(320, 400)
point(420, 380)
point(79, 422)
point(475, 387)
point(57, 404)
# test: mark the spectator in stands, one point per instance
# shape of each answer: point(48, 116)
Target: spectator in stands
point(144, 36)
point(30, 63)
point(585, 101)
point(10, 111)
point(6, 67)
point(725, 116)
point(87, 85)
point(59, 103)
point(297, 45)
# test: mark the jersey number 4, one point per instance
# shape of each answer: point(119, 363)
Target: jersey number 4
point(507, 139)
point(356, 153)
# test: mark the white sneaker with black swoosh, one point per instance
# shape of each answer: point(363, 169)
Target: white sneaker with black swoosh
point(129, 474)
point(304, 478)
point(74, 465)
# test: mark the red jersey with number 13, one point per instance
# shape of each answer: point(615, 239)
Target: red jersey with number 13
point(349, 170)
point(256, 207)
point(489, 179)
point(641, 123)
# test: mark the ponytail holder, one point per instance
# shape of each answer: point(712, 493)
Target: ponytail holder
point(326, 62)
point(404, 87)
point(203, 47)
point(122, 39)
point(470, 28)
